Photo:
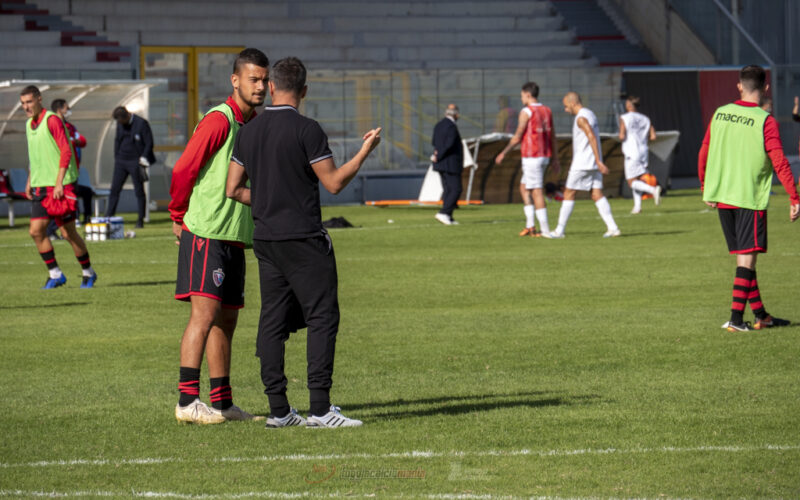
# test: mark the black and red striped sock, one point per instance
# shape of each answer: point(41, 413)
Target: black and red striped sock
point(741, 290)
point(754, 297)
point(83, 260)
point(49, 259)
point(189, 385)
point(220, 394)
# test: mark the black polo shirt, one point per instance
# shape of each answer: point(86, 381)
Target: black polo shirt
point(276, 149)
point(126, 143)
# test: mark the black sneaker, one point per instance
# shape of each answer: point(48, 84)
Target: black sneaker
point(770, 321)
point(744, 326)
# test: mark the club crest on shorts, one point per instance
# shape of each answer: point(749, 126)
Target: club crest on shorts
point(218, 276)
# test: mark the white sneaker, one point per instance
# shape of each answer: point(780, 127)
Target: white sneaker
point(236, 413)
point(290, 420)
point(197, 412)
point(444, 219)
point(555, 235)
point(657, 196)
point(635, 212)
point(332, 419)
point(612, 234)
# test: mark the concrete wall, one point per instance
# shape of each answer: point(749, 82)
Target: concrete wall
point(668, 37)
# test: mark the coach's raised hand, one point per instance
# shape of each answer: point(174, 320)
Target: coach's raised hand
point(335, 179)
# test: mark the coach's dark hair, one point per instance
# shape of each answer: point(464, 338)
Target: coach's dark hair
point(57, 104)
point(634, 100)
point(289, 75)
point(753, 77)
point(250, 56)
point(532, 88)
point(31, 89)
point(120, 113)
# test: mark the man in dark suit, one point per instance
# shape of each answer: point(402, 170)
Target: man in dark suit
point(448, 160)
point(133, 153)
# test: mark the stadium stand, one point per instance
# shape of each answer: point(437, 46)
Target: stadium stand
point(26, 29)
point(604, 32)
point(371, 61)
point(351, 34)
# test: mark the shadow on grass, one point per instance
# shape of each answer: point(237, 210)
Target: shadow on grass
point(439, 400)
point(143, 283)
point(652, 233)
point(402, 408)
point(48, 306)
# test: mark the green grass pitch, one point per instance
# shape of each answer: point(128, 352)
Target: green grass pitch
point(483, 365)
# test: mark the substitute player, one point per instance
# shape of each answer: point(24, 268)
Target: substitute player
point(587, 168)
point(535, 132)
point(286, 156)
point(51, 187)
point(78, 141)
point(736, 177)
point(635, 131)
point(213, 231)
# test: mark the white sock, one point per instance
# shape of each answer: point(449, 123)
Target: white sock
point(541, 216)
point(563, 215)
point(643, 187)
point(528, 209)
point(55, 273)
point(604, 209)
point(637, 200)
point(88, 271)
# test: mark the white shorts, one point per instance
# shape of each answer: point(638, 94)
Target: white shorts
point(533, 172)
point(584, 180)
point(635, 167)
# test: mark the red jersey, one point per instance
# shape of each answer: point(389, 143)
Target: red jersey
point(537, 140)
point(78, 141)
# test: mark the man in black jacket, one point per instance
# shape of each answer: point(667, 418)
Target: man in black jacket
point(448, 160)
point(133, 152)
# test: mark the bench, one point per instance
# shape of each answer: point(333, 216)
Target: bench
point(98, 194)
point(17, 179)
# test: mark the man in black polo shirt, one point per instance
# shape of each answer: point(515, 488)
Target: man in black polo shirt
point(285, 156)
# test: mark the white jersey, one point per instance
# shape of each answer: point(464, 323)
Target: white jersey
point(637, 133)
point(582, 154)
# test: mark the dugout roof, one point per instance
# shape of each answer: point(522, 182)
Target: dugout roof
point(91, 101)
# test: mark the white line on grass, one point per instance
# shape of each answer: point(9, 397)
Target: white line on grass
point(234, 496)
point(405, 454)
point(259, 494)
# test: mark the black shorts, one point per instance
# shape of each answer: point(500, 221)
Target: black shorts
point(745, 230)
point(39, 212)
point(210, 268)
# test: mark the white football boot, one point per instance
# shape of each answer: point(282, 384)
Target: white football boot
point(197, 412)
point(332, 419)
point(657, 196)
point(291, 419)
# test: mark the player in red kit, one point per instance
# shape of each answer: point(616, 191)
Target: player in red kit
point(536, 134)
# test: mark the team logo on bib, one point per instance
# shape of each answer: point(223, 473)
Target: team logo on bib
point(218, 276)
